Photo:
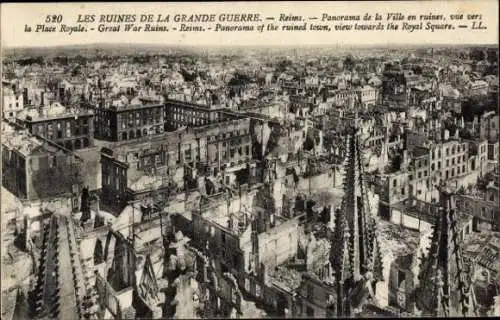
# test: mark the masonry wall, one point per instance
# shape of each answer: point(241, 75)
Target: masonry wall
point(91, 167)
point(278, 299)
point(53, 175)
point(312, 298)
point(402, 219)
point(114, 183)
point(279, 244)
point(486, 211)
point(222, 244)
point(400, 296)
point(323, 181)
point(14, 175)
point(270, 295)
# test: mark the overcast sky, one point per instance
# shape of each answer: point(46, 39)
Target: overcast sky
point(14, 17)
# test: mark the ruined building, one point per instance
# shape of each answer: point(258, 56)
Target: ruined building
point(355, 256)
point(444, 286)
point(62, 288)
point(179, 274)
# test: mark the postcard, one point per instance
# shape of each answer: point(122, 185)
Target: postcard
point(251, 159)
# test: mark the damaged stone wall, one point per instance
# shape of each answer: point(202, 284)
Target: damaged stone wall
point(54, 175)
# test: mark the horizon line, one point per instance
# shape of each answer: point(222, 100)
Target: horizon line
point(382, 45)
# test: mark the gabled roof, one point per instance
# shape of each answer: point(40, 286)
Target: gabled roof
point(61, 289)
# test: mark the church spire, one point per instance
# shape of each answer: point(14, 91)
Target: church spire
point(354, 234)
point(445, 288)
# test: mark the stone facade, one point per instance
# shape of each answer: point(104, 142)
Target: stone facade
point(39, 170)
point(73, 131)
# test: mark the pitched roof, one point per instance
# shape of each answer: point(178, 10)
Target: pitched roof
point(61, 287)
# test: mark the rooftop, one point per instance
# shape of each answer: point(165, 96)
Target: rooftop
point(240, 220)
point(287, 277)
point(146, 182)
point(52, 111)
point(186, 104)
point(22, 141)
point(484, 247)
point(396, 239)
point(67, 274)
point(419, 151)
point(136, 103)
point(120, 150)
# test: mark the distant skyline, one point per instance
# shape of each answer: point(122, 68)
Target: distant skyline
point(16, 15)
point(112, 49)
point(271, 46)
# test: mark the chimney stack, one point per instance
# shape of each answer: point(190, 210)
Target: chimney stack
point(264, 274)
point(309, 253)
point(405, 157)
point(446, 135)
point(27, 233)
point(42, 98)
point(25, 96)
point(97, 206)
point(331, 222)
